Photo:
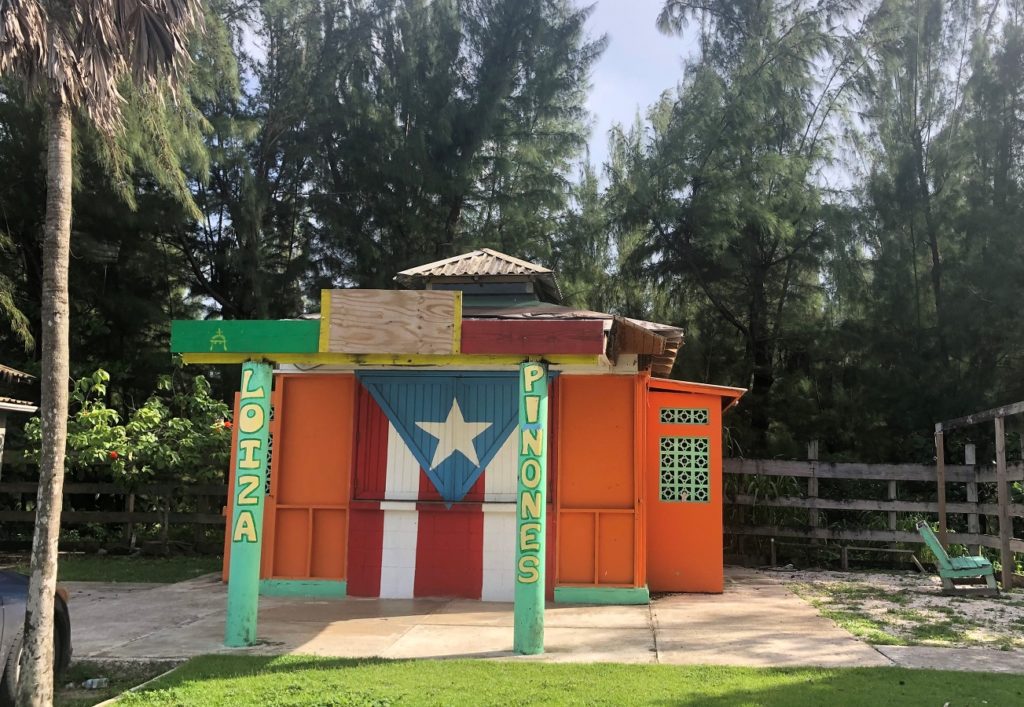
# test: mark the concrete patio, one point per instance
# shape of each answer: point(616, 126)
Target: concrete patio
point(757, 622)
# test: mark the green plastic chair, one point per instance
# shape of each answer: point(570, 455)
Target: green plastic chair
point(951, 568)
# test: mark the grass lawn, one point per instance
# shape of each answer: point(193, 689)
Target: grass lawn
point(303, 680)
point(125, 568)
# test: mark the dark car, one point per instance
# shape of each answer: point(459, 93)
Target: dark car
point(13, 594)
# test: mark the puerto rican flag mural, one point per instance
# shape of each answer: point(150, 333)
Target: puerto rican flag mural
point(434, 486)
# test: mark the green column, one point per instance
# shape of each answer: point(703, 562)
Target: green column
point(528, 637)
point(253, 425)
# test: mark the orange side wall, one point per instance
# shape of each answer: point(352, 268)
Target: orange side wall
point(684, 540)
point(598, 495)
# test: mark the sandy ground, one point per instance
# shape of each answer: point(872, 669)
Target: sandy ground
point(908, 607)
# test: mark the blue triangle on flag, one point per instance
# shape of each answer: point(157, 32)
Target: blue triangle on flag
point(454, 425)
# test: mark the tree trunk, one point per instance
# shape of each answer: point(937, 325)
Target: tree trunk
point(36, 681)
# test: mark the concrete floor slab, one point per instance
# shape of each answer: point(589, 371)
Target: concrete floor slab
point(989, 660)
point(757, 622)
point(598, 645)
point(575, 616)
point(754, 622)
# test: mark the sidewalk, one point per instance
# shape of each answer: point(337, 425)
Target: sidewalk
point(756, 622)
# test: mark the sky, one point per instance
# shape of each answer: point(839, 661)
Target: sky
point(639, 63)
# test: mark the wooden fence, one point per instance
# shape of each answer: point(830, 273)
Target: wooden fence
point(814, 472)
point(159, 499)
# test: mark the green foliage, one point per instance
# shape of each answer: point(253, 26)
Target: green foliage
point(725, 189)
point(827, 203)
point(179, 434)
point(131, 568)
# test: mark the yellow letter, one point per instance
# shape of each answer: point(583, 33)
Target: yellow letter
point(252, 418)
point(245, 528)
point(529, 504)
point(529, 473)
point(527, 537)
point(531, 374)
point(247, 494)
point(528, 573)
point(249, 447)
point(532, 442)
point(532, 408)
point(246, 393)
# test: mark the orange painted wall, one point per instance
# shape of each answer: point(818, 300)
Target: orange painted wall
point(598, 493)
point(229, 508)
point(307, 510)
point(684, 540)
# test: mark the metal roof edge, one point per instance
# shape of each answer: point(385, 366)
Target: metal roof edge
point(731, 393)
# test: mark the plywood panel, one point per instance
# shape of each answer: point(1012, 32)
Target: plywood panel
point(595, 432)
point(449, 553)
point(390, 321)
point(312, 471)
point(316, 440)
point(291, 543)
point(615, 552)
point(576, 548)
point(366, 536)
point(328, 560)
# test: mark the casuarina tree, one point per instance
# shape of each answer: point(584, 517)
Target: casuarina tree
point(75, 56)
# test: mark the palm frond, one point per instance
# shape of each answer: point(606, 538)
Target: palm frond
point(79, 51)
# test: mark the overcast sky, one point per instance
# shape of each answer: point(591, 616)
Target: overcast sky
point(639, 63)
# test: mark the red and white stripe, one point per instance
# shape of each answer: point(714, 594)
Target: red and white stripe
point(404, 542)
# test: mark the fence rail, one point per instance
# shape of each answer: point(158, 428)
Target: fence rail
point(868, 472)
point(164, 496)
point(815, 471)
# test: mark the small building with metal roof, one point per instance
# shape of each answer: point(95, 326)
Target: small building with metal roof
point(13, 391)
point(468, 436)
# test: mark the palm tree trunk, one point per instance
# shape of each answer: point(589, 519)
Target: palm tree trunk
point(36, 681)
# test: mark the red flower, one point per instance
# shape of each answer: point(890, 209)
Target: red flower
point(227, 424)
point(113, 454)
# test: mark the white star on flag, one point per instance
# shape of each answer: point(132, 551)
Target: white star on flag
point(454, 435)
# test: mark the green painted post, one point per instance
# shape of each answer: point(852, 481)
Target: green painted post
point(253, 425)
point(531, 531)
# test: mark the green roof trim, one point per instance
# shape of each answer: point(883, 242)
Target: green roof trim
point(259, 336)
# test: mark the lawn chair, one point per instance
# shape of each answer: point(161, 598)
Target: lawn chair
point(951, 568)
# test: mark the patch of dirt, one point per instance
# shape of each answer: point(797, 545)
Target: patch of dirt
point(908, 609)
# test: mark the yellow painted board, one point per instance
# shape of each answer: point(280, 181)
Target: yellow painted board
point(315, 359)
point(325, 320)
point(392, 321)
point(457, 333)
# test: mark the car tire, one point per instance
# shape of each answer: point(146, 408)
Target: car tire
point(61, 638)
point(9, 679)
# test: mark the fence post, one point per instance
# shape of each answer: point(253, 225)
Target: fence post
point(812, 482)
point(1005, 525)
point(198, 529)
point(973, 524)
point(892, 514)
point(940, 481)
point(164, 529)
point(129, 527)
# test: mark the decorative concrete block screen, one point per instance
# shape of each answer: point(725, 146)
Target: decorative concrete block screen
point(684, 470)
point(684, 416)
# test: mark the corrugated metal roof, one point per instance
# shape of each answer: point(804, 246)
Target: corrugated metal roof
point(14, 376)
point(482, 263)
point(476, 263)
point(16, 405)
